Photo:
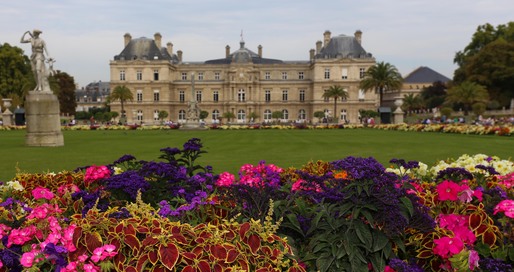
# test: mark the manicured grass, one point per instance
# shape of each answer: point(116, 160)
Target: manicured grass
point(229, 149)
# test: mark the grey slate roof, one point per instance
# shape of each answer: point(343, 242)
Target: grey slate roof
point(144, 49)
point(243, 55)
point(343, 46)
point(425, 75)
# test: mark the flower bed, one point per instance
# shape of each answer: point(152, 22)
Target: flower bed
point(172, 214)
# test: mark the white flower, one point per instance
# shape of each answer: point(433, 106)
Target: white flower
point(15, 185)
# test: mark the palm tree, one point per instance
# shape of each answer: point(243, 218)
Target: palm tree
point(381, 77)
point(467, 94)
point(121, 93)
point(335, 92)
point(411, 102)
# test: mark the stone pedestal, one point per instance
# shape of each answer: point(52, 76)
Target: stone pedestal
point(7, 118)
point(43, 121)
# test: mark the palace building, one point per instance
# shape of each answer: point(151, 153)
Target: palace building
point(242, 82)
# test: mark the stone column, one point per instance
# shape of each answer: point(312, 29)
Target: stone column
point(43, 121)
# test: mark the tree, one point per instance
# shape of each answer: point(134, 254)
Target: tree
point(467, 94)
point(335, 92)
point(381, 77)
point(65, 92)
point(411, 102)
point(162, 115)
point(121, 93)
point(319, 114)
point(15, 73)
point(228, 115)
point(433, 95)
point(203, 115)
point(277, 115)
point(488, 60)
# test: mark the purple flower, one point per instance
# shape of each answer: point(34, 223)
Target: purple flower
point(124, 158)
point(193, 144)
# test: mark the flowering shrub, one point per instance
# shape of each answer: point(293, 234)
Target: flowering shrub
point(504, 130)
point(172, 214)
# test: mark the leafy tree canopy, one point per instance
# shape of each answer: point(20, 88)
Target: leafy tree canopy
point(65, 92)
point(15, 73)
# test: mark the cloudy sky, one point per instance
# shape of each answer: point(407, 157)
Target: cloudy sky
point(84, 35)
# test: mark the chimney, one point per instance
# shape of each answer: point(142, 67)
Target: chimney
point(311, 54)
point(358, 36)
point(318, 47)
point(157, 38)
point(179, 55)
point(259, 50)
point(169, 47)
point(227, 51)
point(326, 38)
point(128, 38)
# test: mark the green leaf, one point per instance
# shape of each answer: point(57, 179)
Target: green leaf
point(408, 204)
point(364, 234)
point(379, 241)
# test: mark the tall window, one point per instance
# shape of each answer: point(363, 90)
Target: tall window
point(199, 96)
point(139, 95)
point(215, 114)
point(156, 95)
point(122, 74)
point(362, 72)
point(344, 116)
point(215, 96)
point(139, 115)
point(241, 116)
point(301, 114)
point(155, 75)
point(267, 75)
point(285, 114)
point(156, 115)
point(217, 76)
point(182, 115)
point(267, 115)
point(267, 95)
point(200, 76)
point(302, 95)
point(361, 95)
point(284, 95)
point(241, 95)
point(327, 73)
point(181, 96)
point(344, 73)
point(300, 75)
point(184, 76)
point(325, 98)
point(284, 75)
point(139, 75)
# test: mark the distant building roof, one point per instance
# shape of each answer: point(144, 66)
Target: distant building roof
point(343, 46)
point(243, 55)
point(145, 49)
point(425, 75)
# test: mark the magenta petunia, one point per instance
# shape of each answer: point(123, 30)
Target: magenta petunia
point(41, 192)
point(448, 190)
point(448, 246)
point(505, 206)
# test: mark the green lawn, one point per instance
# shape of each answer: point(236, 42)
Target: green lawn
point(229, 149)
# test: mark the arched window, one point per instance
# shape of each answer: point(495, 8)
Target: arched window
point(285, 114)
point(344, 116)
point(182, 116)
point(241, 116)
point(215, 115)
point(267, 116)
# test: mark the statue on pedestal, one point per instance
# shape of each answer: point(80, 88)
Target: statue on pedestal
point(37, 59)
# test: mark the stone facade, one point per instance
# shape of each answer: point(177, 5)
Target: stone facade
point(243, 82)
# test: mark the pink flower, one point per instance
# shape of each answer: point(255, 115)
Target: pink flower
point(478, 195)
point(447, 246)
point(94, 173)
point(41, 192)
point(27, 259)
point(448, 190)
point(466, 194)
point(389, 269)
point(473, 260)
point(1, 264)
point(506, 206)
point(225, 179)
point(72, 188)
point(297, 185)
